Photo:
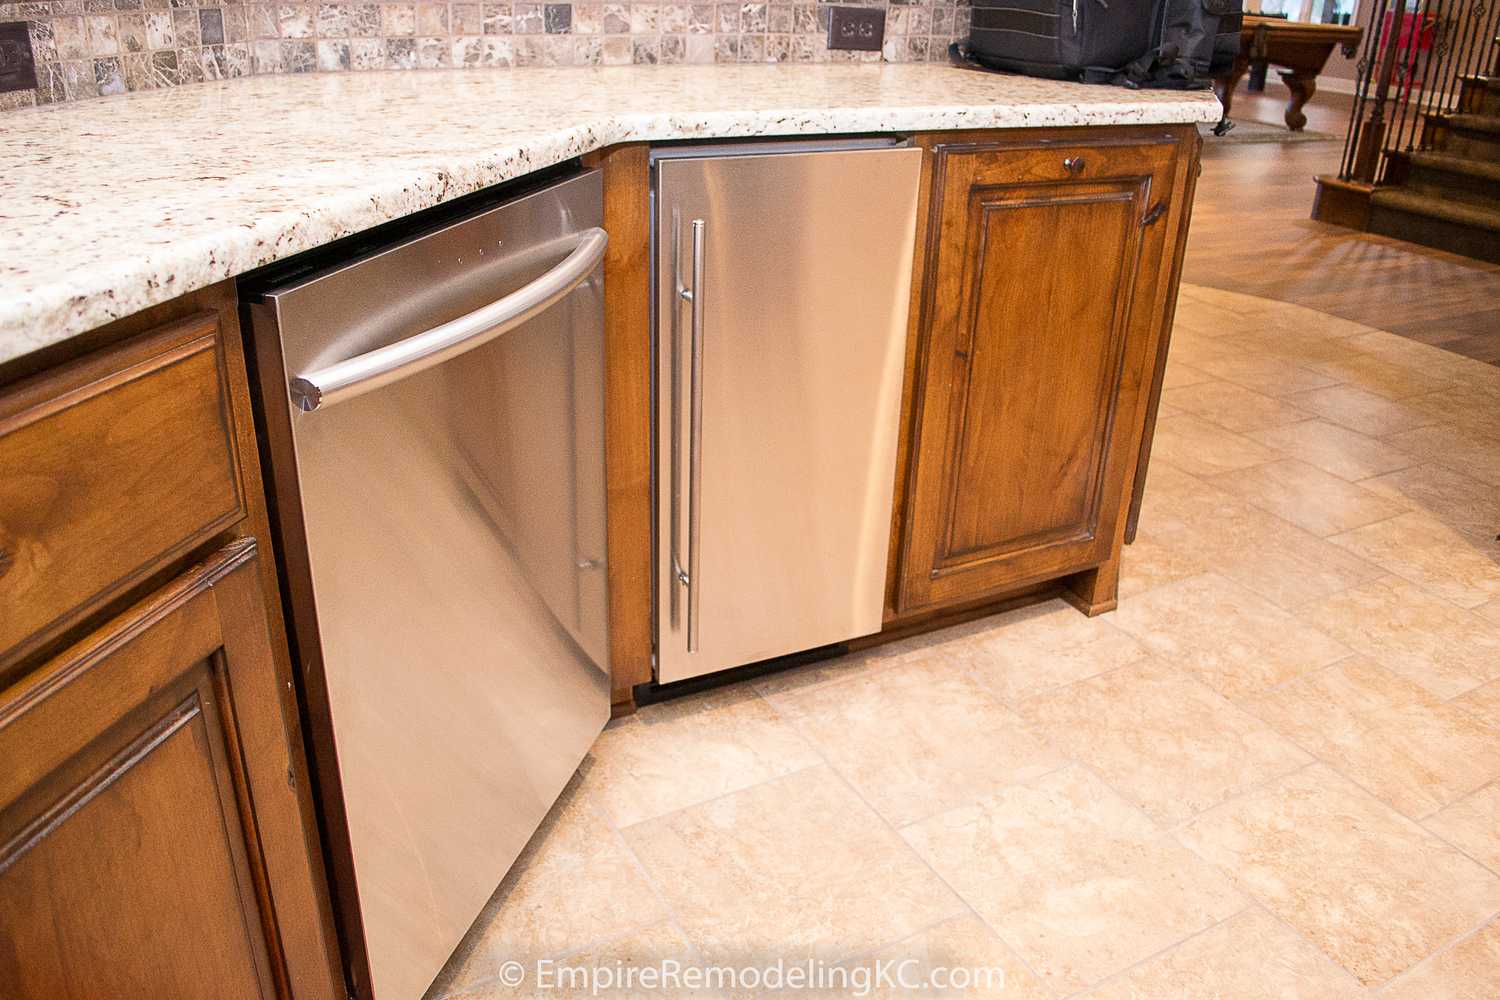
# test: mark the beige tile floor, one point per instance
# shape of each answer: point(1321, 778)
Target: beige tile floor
point(1274, 772)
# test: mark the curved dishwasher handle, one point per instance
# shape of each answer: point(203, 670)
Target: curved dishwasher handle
point(384, 365)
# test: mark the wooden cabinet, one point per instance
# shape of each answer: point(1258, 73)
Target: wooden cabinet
point(128, 863)
point(157, 838)
point(1045, 276)
point(1040, 311)
point(114, 465)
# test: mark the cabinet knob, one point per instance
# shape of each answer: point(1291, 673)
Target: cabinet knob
point(1073, 165)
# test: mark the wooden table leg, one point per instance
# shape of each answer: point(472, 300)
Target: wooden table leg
point(1302, 86)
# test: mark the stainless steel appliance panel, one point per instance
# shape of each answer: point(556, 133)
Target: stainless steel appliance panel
point(453, 496)
point(782, 284)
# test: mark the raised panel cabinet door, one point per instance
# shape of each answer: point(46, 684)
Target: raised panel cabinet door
point(1037, 321)
point(131, 865)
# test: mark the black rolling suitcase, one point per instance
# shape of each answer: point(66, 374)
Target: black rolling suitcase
point(1179, 44)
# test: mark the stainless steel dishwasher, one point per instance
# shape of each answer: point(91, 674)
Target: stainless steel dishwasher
point(783, 272)
point(435, 419)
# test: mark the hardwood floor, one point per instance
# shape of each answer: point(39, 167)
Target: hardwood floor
point(1251, 233)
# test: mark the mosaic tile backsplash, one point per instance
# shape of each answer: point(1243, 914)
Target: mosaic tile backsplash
point(91, 48)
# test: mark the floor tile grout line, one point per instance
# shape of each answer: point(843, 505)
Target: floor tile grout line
point(595, 810)
point(644, 870)
point(824, 762)
point(1170, 833)
point(618, 935)
point(1318, 757)
point(1302, 612)
point(1337, 426)
point(1257, 903)
point(1160, 833)
point(1332, 765)
point(1420, 585)
point(1243, 793)
point(1067, 759)
point(1260, 904)
point(1298, 612)
point(1379, 803)
point(1444, 807)
point(1387, 575)
point(1456, 701)
point(1267, 392)
point(906, 845)
point(932, 925)
point(1305, 675)
point(1186, 675)
point(857, 672)
point(1494, 782)
point(793, 719)
point(1066, 762)
point(721, 795)
point(912, 851)
point(1448, 946)
point(646, 874)
point(966, 670)
point(1013, 703)
point(1121, 974)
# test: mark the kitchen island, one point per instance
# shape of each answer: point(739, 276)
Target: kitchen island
point(151, 632)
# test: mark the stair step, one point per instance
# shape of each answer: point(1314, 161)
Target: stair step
point(1462, 212)
point(1457, 226)
point(1444, 175)
point(1447, 163)
point(1479, 94)
point(1489, 124)
point(1476, 136)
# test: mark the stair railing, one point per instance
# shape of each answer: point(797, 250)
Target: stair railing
point(1416, 54)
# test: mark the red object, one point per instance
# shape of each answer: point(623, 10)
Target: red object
point(1417, 33)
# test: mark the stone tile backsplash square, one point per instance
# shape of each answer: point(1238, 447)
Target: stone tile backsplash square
point(90, 48)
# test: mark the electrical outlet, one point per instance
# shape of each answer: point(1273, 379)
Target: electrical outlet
point(861, 28)
point(17, 64)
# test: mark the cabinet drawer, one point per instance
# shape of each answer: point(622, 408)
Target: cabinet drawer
point(1024, 163)
point(112, 466)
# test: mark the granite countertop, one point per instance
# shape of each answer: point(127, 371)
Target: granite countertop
point(116, 204)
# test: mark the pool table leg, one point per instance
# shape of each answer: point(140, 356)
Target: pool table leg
point(1302, 86)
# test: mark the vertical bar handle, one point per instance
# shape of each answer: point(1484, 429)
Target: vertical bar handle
point(682, 294)
point(695, 438)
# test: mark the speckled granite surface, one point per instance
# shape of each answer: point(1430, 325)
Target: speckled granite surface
point(114, 205)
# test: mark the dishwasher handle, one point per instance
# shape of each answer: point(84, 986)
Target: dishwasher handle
point(358, 375)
